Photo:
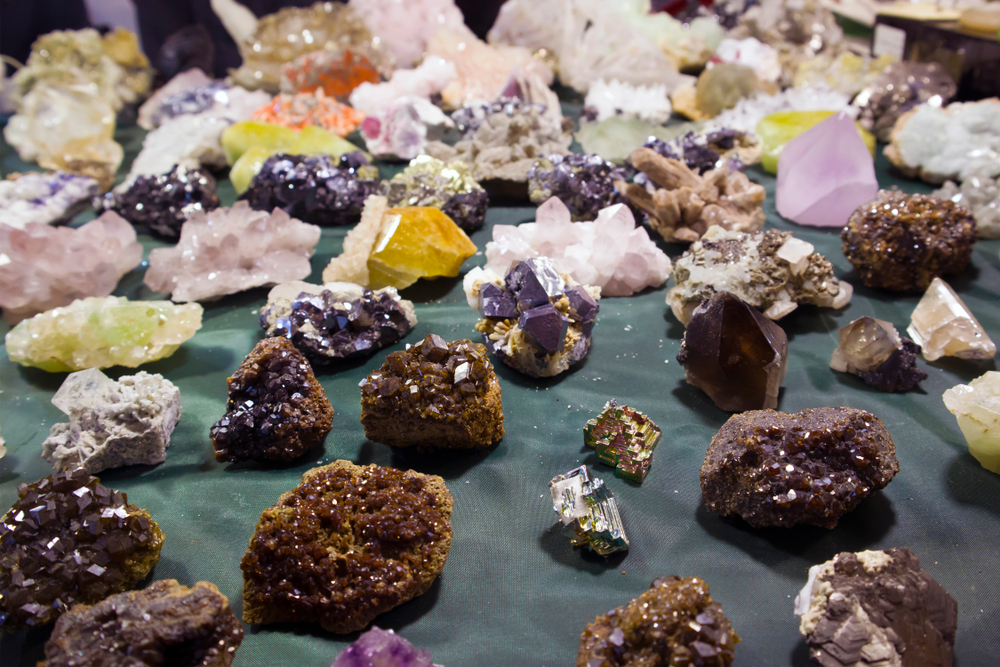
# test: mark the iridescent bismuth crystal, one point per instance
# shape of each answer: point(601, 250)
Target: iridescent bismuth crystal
point(624, 438)
point(588, 507)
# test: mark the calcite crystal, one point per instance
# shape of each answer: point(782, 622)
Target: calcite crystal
point(335, 72)
point(382, 648)
point(624, 438)
point(402, 129)
point(167, 624)
point(811, 467)
point(897, 89)
point(98, 332)
point(299, 110)
point(449, 186)
point(675, 622)
point(588, 511)
point(612, 252)
point(434, 395)
point(901, 242)
point(47, 267)
point(47, 198)
point(874, 351)
point(112, 423)
point(779, 129)
point(615, 98)
point(70, 540)
point(347, 544)
point(704, 151)
point(945, 327)
point(405, 28)
point(734, 354)
point(425, 81)
point(876, 607)
point(683, 205)
point(771, 270)
point(977, 407)
point(163, 202)
point(584, 183)
point(229, 250)
point(981, 195)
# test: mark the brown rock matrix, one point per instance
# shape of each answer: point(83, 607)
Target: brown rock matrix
point(434, 395)
point(347, 544)
point(901, 242)
point(778, 469)
point(68, 540)
point(166, 624)
point(673, 624)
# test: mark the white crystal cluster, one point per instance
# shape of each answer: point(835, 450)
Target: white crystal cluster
point(45, 198)
point(751, 110)
point(430, 78)
point(615, 98)
point(979, 193)
point(945, 327)
point(750, 52)
point(977, 407)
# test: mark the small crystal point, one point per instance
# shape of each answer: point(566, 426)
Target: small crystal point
point(977, 407)
point(944, 326)
point(874, 351)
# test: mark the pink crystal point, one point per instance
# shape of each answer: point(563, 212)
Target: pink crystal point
point(824, 174)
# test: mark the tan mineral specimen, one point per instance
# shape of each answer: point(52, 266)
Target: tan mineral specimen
point(945, 327)
point(977, 407)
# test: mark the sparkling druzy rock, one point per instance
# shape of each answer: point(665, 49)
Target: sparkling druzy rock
point(675, 622)
point(902, 242)
point(584, 183)
point(70, 540)
point(382, 648)
point(624, 438)
point(876, 608)
point(163, 202)
point(165, 624)
point(277, 409)
point(588, 511)
point(434, 395)
point(734, 354)
point(449, 186)
point(900, 87)
point(112, 423)
point(704, 151)
point(98, 332)
point(812, 467)
point(748, 112)
point(47, 198)
point(945, 327)
point(980, 194)
point(874, 351)
point(337, 320)
point(977, 407)
point(347, 544)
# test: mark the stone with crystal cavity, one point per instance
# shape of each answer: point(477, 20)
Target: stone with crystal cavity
point(874, 351)
point(425, 81)
point(606, 99)
point(589, 511)
point(979, 193)
point(383, 648)
point(448, 186)
point(977, 407)
point(48, 198)
point(777, 130)
point(401, 130)
point(624, 438)
point(945, 327)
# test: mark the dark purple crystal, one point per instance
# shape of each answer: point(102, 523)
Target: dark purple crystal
point(468, 209)
point(545, 327)
point(583, 305)
point(585, 183)
point(899, 372)
point(700, 152)
point(533, 281)
point(164, 202)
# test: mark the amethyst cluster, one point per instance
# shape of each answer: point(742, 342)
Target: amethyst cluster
point(585, 183)
point(468, 119)
point(316, 189)
point(382, 648)
point(702, 152)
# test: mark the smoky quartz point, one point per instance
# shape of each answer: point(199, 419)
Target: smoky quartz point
point(874, 351)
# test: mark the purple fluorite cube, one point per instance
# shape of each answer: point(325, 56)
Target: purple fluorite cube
point(495, 301)
point(545, 327)
point(382, 648)
point(533, 281)
point(584, 305)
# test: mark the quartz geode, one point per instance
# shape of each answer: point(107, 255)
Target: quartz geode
point(584, 183)
point(877, 608)
point(874, 351)
point(900, 87)
point(675, 622)
point(427, 181)
point(277, 409)
point(347, 544)
point(165, 624)
point(163, 202)
point(812, 467)
point(70, 540)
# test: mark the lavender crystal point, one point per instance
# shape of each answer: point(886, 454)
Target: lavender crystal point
point(162, 203)
point(584, 183)
point(382, 648)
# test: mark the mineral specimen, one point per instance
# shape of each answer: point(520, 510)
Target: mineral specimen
point(395, 247)
point(277, 409)
point(748, 112)
point(191, 141)
point(70, 540)
point(624, 438)
point(99, 332)
point(163, 202)
point(401, 130)
point(734, 354)
point(335, 72)
point(612, 252)
point(112, 424)
point(615, 138)
point(688, 44)
point(945, 327)
point(675, 622)
point(535, 320)
point(122, 46)
point(347, 544)
point(771, 270)
point(812, 467)
point(382, 648)
point(46, 198)
point(876, 607)
point(704, 151)
point(425, 81)
point(405, 28)
point(589, 511)
point(229, 250)
point(448, 186)
point(606, 99)
point(824, 174)
point(3, 448)
point(433, 395)
point(47, 267)
point(300, 110)
point(977, 407)
point(981, 195)
point(847, 72)
point(165, 624)
point(718, 88)
point(900, 87)
point(750, 52)
point(190, 94)
point(902, 242)
point(337, 320)
point(779, 129)
point(683, 205)
point(584, 183)
point(874, 351)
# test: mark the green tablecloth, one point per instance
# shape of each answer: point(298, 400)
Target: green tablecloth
point(514, 591)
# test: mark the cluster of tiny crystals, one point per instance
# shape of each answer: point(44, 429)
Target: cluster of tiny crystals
point(164, 202)
point(624, 438)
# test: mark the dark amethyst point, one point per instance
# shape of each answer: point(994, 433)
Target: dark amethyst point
point(495, 301)
point(545, 327)
point(899, 372)
point(533, 281)
point(581, 303)
point(164, 202)
point(585, 183)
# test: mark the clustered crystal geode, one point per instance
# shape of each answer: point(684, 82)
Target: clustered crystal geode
point(427, 181)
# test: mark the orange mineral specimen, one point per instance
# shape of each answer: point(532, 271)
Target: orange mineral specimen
point(301, 110)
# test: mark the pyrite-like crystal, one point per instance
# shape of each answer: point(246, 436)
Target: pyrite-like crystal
point(382, 648)
point(277, 409)
point(977, 407)
point(448, 186)
point(45, 198)
point(945, 327)
point(70, 540)
point(624, 438)
point(874, 351)
point(584, 183)
point(811, 467)
point(98, 332)
point(589, 511)
point(163, 202)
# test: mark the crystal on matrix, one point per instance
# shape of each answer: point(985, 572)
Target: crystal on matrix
point(812, 467)
point(190, 80)
point(897, 89)
point(945, 327)
point(584, 183)
point(382, 648)
point(704, 151)
point(624, 438)
point(299, 110)
point(615, 98)
point(981, 195)
point(614, 139)
point(402, 129)
point(425, 81)
point(277, 409)
point(406, 27)
point(589, 511)
point(98, 332)
point(977, 407)
point(779, 129)
point(874, 351)
point(335, 72)
point(749, 111)
point(48, 198)
point(449, 186)
point(190, 141)
point(70, 540)
point(163, 202)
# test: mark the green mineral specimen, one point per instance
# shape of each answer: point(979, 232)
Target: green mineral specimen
point(779, 128)
point(586, 506)
point(624, 438)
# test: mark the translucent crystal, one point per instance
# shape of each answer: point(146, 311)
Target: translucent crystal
point(762, 58)
point(980, 194)
point(977, 407)
point(749, 111)
point(46, 198)
point(778, 129)
point(615, 138)
point(874, 351)
point(406, 27)
point(585, 504)
point(624, 438)
point(945, 327)
point(382, 648)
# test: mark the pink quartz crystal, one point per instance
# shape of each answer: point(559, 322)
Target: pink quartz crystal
point(824, 174)
point(43, 267)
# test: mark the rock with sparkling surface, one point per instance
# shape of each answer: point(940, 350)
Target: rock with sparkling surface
point(425, 81)
point(448, 186)
point(945, 327)
point(100, 332)
point(589, 512)
point(779, 129)
point(703, 151)
point(406, 27)
point(748, 112)
point(900, 87)
point(584, 183)
point(624, 438)
point(383, 648)
point(614, 98)
point(299, 110)
point(48, 198)
point(335, 72)
point(874, 351)
point(163, 202)
point(977, 407)
point(401, 130)
point(980, 194)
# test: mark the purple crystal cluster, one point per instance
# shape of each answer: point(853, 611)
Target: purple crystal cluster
point(585, 183)
point(468, 119)
point(163, 202)
point(315, 189)
point(192, 101)
point(701, 152)
point(382, 648)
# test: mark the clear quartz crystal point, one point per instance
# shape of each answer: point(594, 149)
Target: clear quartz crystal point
point(944, 326)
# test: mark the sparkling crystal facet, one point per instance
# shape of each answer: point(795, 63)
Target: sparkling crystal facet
point(945, 327)
point(589, 511)
point(624, 438)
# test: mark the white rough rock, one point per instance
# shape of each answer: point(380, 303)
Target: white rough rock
point(189, 141)
point(751, 110)
point(431, 77)
point(45, 198)
point(980, 194)
point(614, 98)
point(751, 52)
point(186, 80)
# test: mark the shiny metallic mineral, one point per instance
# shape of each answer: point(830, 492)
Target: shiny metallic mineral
point(624, 438)
point(584, 183)
point(589, 511)
point(874, 351)
point(945, 327)
point(448, 186)
point(162, 203)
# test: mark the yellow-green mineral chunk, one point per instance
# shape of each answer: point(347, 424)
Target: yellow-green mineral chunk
point(416, 242)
